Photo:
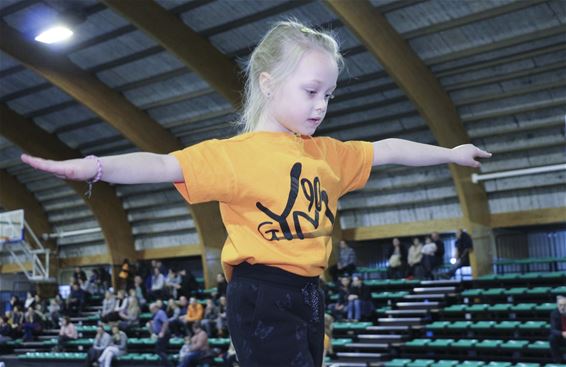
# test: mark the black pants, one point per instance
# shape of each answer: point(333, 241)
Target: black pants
point(161, 349)
point(556, 342)
point(92, 356)
point(275, 318)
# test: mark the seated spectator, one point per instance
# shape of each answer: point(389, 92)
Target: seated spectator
point(557, 338)
point(210, 316)
point(159, 329)
point(5, 331)
point(339, 308)
point(177, 325)
point(108, 304)
point(31, 325)
point(120, 306)
point(16, 321)
point(130, 317)
point(76, 299)
point(54, 310)
point(397, 255)
point(117, 347)
point(172, 310)
point(221, 321)
point(79, 274)
point(429, 258)
point(14, 301)
point(414, 259)
point(41, 315)
point(220, 286)
point(359, 303)
point(141, 292)
point(195, 312)
point(157, 284)
point(198, 346)
point(346, 264)
point(105, 278)
point(101, 340)
point(30, 300)
point(67, 333)
point(189, 284)
point(173, 283)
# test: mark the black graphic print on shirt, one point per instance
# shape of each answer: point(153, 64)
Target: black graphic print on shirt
point(315, 196)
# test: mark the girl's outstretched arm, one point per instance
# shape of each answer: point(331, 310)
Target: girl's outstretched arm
point(132, 168)
point(408, 153)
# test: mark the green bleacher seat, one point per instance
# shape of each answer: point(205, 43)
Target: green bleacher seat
point(500, 307)
point(498, 364)
point(554, 365)
point(471, 364)
point(465, 343)
point(532, 275)
point(483, 325)
point(508, 276)
point(445, 363)
point(472, 292)
point(507, 325)
point(351, 325)
point(533, 325)
point(340, 342)
point(438, 325)
point(493, 292)
point(514, 344)
point(398, 362)
point(522, 364)
point(523, 307)
point(455, 308)
point(420, 363)
point(459, 325)
point(488, 343)
point(516, 291)
point(440, 343)
point(539, 345)
point(554, 274)
point(477, 308)
point(417, 343)
point(539, 291)
point(558, 290)
point(547, 307)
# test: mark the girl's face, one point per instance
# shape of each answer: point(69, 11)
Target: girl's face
point(300, 104)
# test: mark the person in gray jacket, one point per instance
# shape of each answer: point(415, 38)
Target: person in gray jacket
point(108, 304)
point(101, 341)
point(117, 348)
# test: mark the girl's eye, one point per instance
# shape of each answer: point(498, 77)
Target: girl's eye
point(311, 92)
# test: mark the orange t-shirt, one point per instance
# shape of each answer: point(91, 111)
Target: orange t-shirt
point(278, 194)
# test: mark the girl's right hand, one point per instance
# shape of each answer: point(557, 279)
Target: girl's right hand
point(72, 169)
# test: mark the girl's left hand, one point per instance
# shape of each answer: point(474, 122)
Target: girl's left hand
point(466, 154)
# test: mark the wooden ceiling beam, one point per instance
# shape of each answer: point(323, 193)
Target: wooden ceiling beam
point(191, 48)
point(104, 203)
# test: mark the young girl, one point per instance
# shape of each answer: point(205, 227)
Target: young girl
point(278, 189)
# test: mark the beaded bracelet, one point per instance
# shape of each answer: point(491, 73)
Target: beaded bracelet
point(96, 177)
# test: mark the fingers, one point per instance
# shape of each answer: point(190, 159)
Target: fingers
point(482, 153)
point(44, 165)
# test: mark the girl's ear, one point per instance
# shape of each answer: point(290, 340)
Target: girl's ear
point(265, 83)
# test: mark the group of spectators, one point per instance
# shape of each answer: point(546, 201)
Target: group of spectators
point(420, 260)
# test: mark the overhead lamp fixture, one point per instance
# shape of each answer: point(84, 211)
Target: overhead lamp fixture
point(54, 34)
point(61, 28)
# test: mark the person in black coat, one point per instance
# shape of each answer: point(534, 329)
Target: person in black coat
point(464, 245)
point(557, 338)
point(439, 249)
point(397, 264)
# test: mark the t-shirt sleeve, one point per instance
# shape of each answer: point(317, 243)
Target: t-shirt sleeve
point(352, 160)
point(208, 172)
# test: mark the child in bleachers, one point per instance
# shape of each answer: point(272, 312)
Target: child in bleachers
point(67, 332)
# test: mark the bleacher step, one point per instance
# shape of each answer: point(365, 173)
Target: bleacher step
point(400, 320)
point(434, 290)
point(368, 345)
point(381, 337)
point(445, 282)
point(417, 305)
point(425, 296)
point(408, 312)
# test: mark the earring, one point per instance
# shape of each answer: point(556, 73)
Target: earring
point(268, 95)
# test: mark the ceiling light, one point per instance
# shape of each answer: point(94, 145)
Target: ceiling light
point(54, 34)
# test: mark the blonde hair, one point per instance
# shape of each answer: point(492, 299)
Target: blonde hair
point(278, 54)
